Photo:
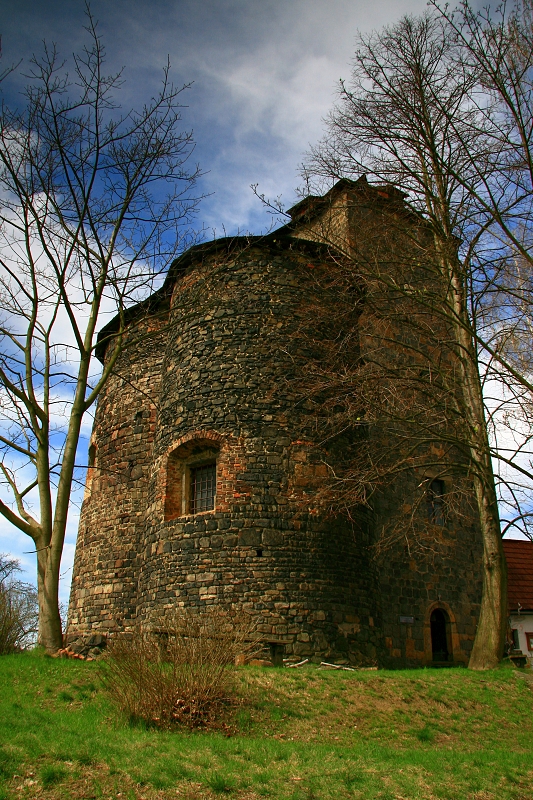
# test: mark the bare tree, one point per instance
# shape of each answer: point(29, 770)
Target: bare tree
point(95, 204)
point(496, 47)
point(407, 118)
point(18, 609)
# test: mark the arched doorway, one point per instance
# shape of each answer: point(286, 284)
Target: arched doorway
point(440, 624)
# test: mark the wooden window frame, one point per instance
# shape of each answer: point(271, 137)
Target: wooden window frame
point(180, 472)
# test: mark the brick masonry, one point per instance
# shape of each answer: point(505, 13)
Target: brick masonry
point(216, 379)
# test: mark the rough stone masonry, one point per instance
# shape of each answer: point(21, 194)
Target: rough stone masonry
point(204, 467)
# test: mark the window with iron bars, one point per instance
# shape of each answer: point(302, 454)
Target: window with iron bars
point(203, 488)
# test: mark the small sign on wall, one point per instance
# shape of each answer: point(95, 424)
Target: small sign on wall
point(407, 620)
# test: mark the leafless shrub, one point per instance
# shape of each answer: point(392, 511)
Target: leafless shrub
point(179, 671)
point(18, 609)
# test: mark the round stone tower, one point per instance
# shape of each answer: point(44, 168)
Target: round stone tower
point(205, 464)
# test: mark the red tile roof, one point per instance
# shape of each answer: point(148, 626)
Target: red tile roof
point(519, 555)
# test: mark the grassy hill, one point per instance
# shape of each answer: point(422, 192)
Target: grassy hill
point(298, 734)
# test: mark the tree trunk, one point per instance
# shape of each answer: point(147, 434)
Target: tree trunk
point(489, 641)
point(490, 634)
point(50, 635)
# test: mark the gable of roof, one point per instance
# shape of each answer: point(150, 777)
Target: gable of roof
point(519, 556)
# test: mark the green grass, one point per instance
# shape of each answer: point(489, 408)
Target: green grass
point(51, 774)
point(305, 734)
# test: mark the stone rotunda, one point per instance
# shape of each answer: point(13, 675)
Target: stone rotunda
point(204, 467)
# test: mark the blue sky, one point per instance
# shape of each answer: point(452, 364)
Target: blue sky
point(263, 76)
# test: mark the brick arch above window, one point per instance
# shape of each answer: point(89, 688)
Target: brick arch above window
point(191, 475)
point(195, 437)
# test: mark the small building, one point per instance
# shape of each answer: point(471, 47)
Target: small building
point(519, 555)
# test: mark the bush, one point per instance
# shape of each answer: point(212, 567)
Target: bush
point(179, 672)
point(18, 609)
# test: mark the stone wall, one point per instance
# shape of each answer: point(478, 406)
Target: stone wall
point(105, 575)
point(264, 550)
point(418, 576)
point(389, 247)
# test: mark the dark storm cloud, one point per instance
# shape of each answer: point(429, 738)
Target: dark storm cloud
point(263, 73)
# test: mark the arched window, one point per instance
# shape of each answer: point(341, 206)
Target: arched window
point(91, 466)
point(191, 485)
point(435, 502)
